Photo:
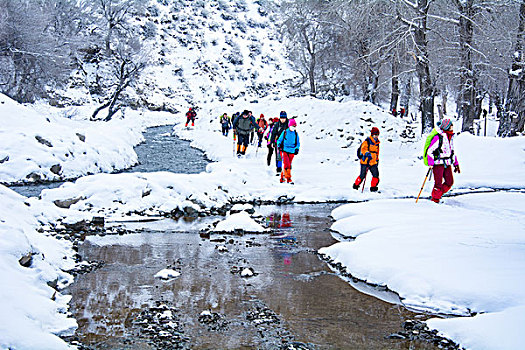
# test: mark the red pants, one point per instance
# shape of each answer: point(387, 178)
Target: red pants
point(440, 187)
point(287, 159)
point(287, 166)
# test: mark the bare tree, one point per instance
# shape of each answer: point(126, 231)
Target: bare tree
point(35, 50)
point(128, 64)
point(114, 14)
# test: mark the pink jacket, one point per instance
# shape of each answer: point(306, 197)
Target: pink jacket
point(446, 156)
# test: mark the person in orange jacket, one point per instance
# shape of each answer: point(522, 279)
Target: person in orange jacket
point(369, 151)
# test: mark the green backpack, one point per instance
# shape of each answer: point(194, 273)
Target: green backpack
point(427, 144)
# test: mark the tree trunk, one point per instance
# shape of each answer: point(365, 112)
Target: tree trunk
point(426, 87)
point(311, 75)
point(514, 106)
point(467, 79)
point(407, 94)
point(395, 85)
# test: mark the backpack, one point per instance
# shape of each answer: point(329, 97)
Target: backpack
point(284, 138)
point(359, 154)
point(427, 144)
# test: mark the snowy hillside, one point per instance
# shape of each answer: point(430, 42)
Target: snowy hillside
point(200, 51)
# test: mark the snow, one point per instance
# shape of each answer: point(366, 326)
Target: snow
point(79, 147)
point(238, 221)
point(498, 330)
point(30, 319)
point(166, 274)
point(324, 171)
point(463, 256)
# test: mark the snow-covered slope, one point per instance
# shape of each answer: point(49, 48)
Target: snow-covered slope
point(200, 52)
point(32, 312)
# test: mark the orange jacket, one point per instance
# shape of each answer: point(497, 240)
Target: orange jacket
point(372, 146)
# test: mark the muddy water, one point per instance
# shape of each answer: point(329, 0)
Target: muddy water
point(311, 307)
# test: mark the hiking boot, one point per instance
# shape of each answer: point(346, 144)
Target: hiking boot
point(373, 189)
point(355, 187)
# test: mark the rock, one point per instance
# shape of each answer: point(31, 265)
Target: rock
point(34, 177)
point(56, 169)
point(43, 141)
point(81, 137)
point(26, 260)
point(98, 221)
point(5, 159)
point(146, 192)
point(191, 212)
point(67, 203)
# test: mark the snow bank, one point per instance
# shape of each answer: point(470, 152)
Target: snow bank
point(238, 221)
point(464, 255)
point(56, 147)
point(32, 312)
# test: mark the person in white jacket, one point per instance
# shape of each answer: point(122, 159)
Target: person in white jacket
point(441, 158)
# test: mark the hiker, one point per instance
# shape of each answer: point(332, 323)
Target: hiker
point(242, 126)
point(369, 158)
point(190, 115)
point(262, 125)
point(225, 124)
point(288, 143)
point(278, 128)
point(271, 123)
point(440, 156)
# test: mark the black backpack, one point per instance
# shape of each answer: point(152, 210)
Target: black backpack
point(359, 154)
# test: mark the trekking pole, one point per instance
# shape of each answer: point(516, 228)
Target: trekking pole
point(364, 180)
point(234, 144)
point(421, 190)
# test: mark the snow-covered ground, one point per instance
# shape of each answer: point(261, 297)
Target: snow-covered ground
point(33, 313)
point(463, 256)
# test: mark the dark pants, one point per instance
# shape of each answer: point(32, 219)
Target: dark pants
point(375, 175)
point(440, 187)
point(260, 135)
point(225, 130)
point(243, 139)
point(270, 153)
point(278, 159)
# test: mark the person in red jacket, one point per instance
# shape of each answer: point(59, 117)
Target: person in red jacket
point(369, 160)
point(190, 115)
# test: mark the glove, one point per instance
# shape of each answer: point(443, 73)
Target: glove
point(367, 156)
point(296, 151)
point(280, 146)
point(457, 169)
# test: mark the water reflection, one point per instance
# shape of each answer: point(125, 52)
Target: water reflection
point(314, 305)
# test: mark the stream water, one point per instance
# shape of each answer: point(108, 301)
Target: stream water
point(293, 301)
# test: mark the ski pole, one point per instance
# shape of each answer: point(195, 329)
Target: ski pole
point(364, 180)
point(234, 143)
point(421, 190)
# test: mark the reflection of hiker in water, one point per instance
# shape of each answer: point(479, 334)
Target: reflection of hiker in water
point(275, 220)
point(285, 221)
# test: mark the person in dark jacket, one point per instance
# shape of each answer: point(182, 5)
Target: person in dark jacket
point(277, 130)
point(225, 124)
point(242, 126)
